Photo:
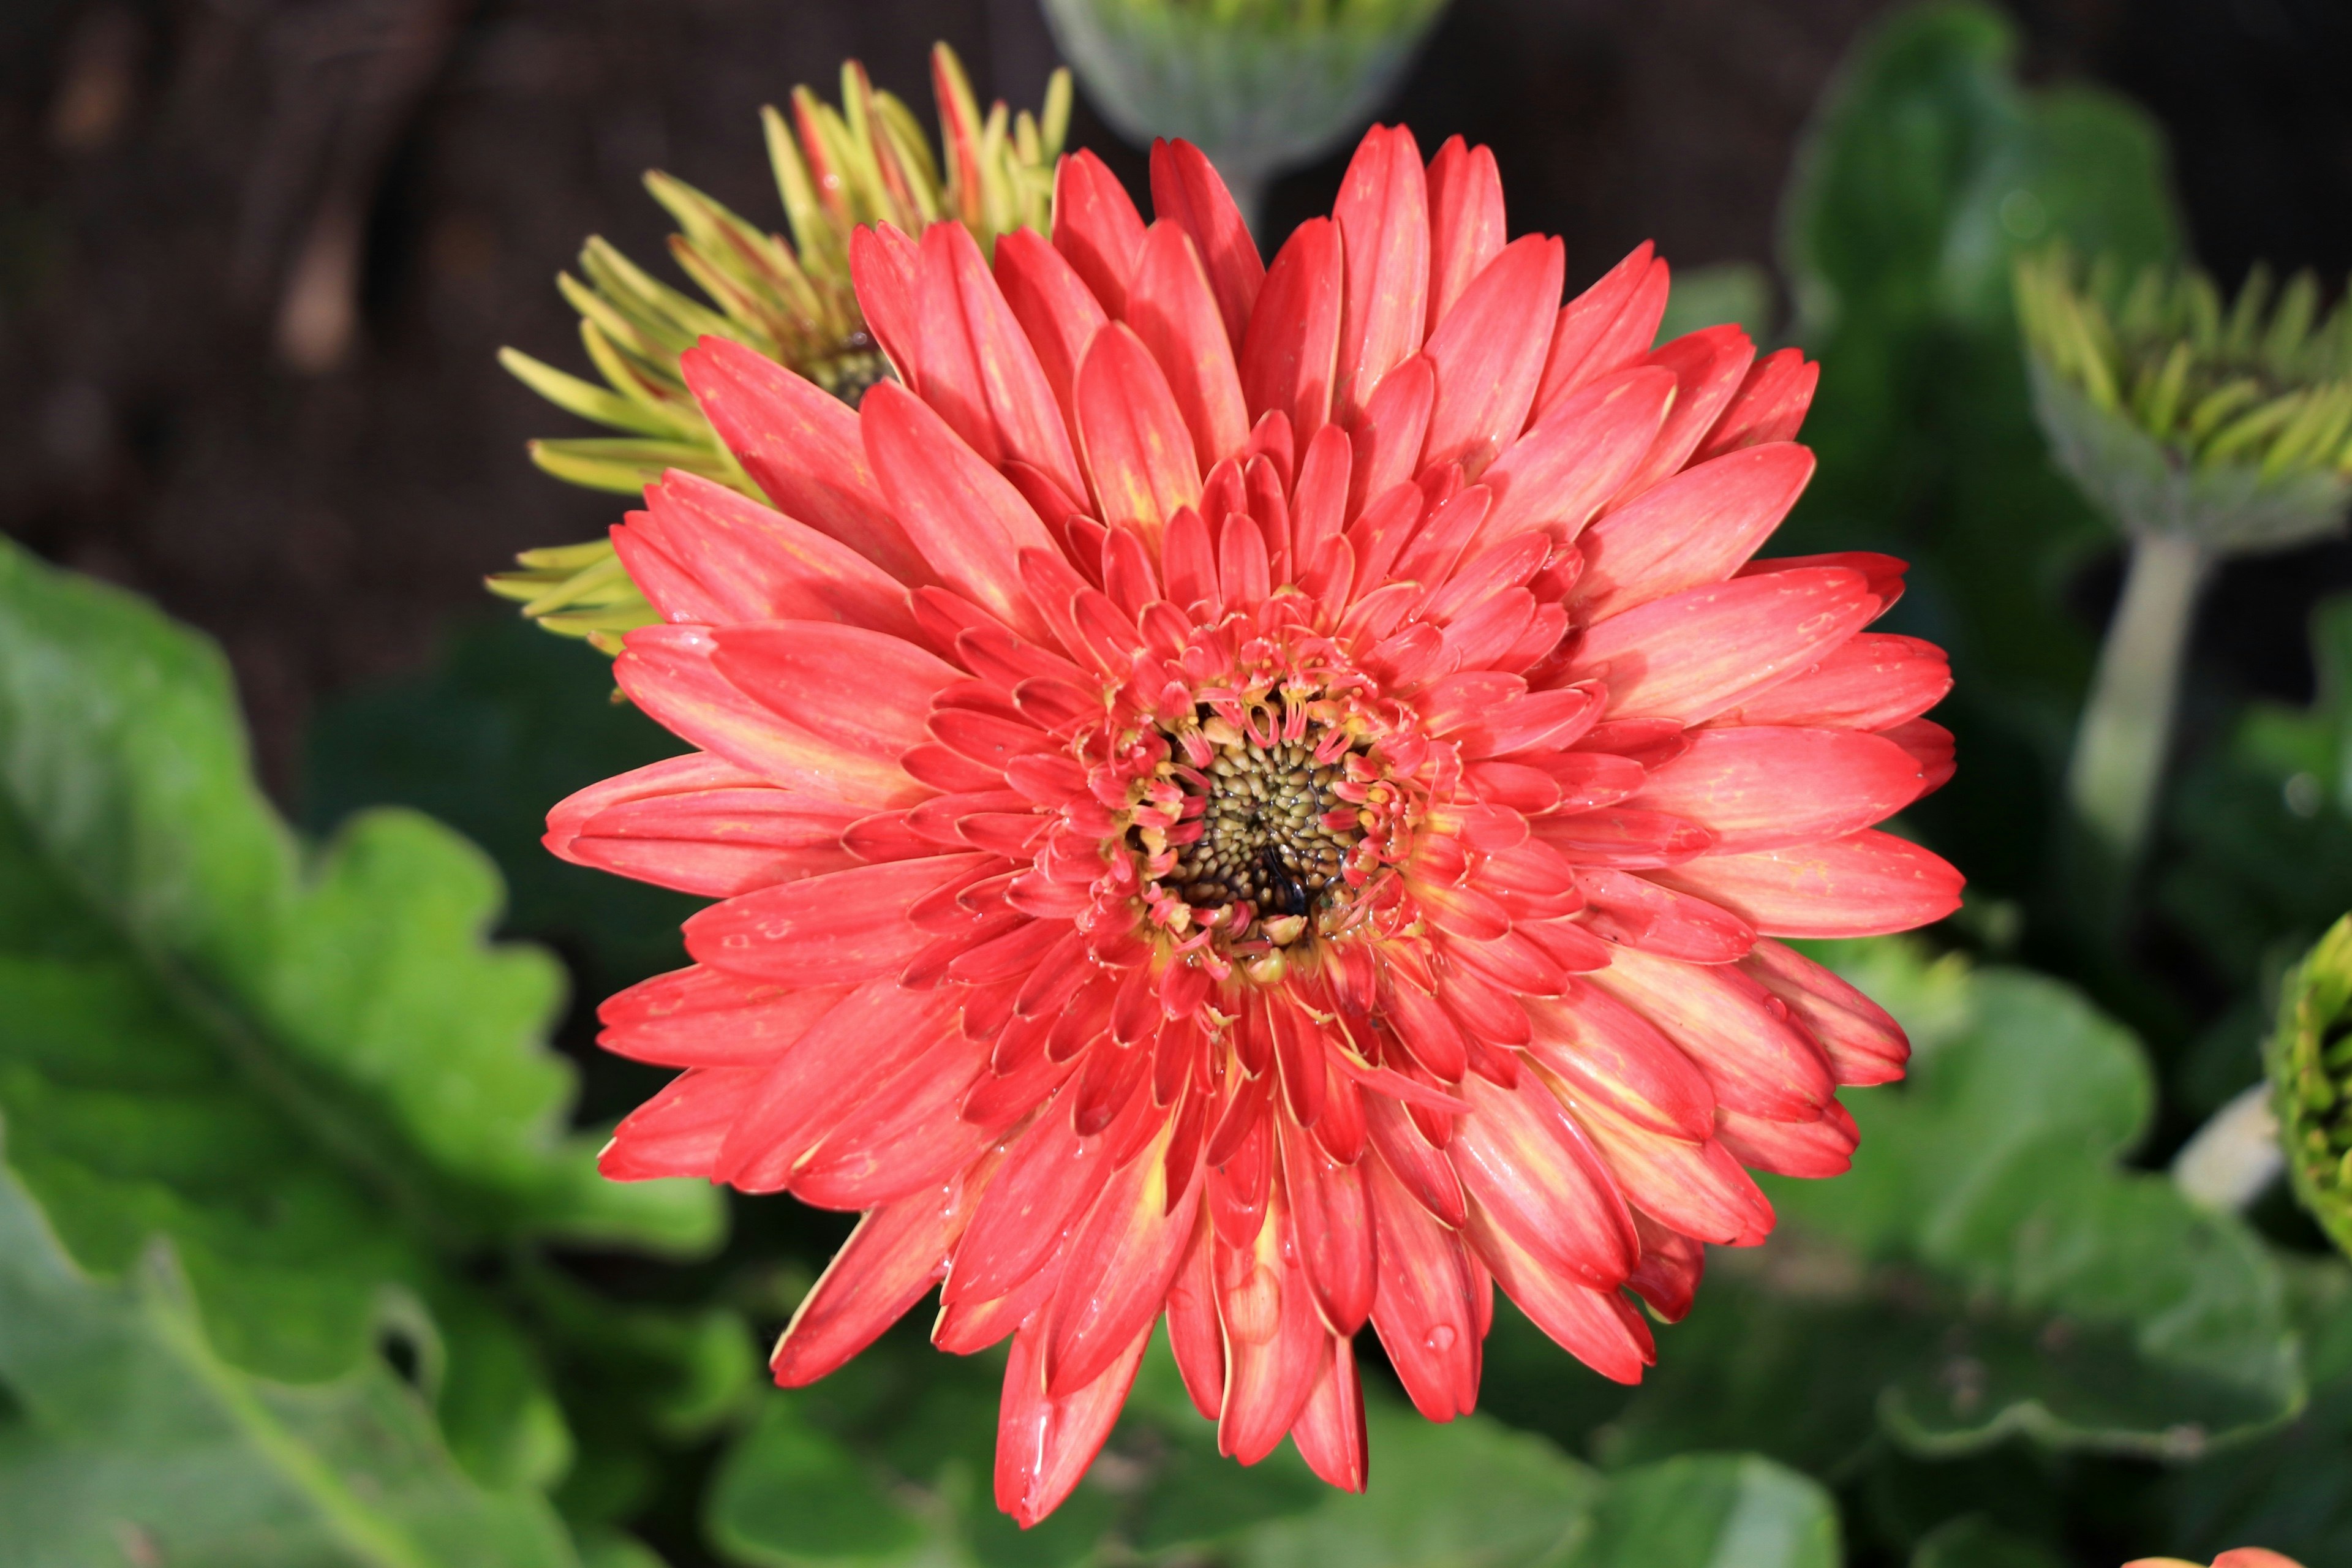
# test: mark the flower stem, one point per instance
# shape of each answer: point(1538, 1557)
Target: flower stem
point(2126, 729)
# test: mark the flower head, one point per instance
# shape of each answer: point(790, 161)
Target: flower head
point(2229, 427)
point(2310, 1071)
point(1262, 797)
point(790, 300)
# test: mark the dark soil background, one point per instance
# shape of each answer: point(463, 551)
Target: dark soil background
point(256, 255)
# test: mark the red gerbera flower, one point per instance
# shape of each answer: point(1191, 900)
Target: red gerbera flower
point(1260, 795)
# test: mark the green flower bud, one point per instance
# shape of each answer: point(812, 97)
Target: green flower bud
point(864, 163)
point(1258, 85)
point(2227, 426)
point(2310, 1063)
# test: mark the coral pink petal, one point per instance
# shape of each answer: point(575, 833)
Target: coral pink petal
point(883, 265)
point(702, 552)
point(1700, 526)
point(863, 692)
point(1766, 786)
point(1095, 228)
point(1290, 351)
point(1603, 1049)
point(699, 1016)
point(670, 672)
point(1194, 1334)
point(1169, 307)
point(1865, 1046)
point(797, 1100)
point(1605, 329)
point(1425, 1309)
point(1330, 1431)
point(967, 521)
point(839, 928)
point(1139, 452)
point(1465, 222)
point(800, 444)
point(1632, 909)
point(1116, 1270)
point(1276, 1345)
point(1055, 308)
point(1187, 190)
point(1560, 473)
point(1689, 656)
point(1487, 353)
point(894, 1257)
point(1709, 367)
point(678, 1132)
point(1768, 406)
point(1049, 1177)
point(1668, 1275)
point(1874, 680)
point(1757, 1059)
point(983, 377)
point(1045, 1442)
point(1596, 1327)
point(1383, 217)
point(714, 840)
point(1815, 1149)
point(1868, 884)
point(1523, 1158)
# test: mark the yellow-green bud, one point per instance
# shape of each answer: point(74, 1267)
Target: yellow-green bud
point(2310, 1063)
point(865, 162)
point(2229, 426)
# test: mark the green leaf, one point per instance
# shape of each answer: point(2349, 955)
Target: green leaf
point(1703, 1511)
point(2291, 1491)
point(2264, 824)
point(1974, 1541)
point(503, 725)
point(1988, 1266)
point(129, 1438)
point(309, 1073)
point(888, 1461)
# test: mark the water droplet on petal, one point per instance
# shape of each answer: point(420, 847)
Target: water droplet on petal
point(1440, 1338)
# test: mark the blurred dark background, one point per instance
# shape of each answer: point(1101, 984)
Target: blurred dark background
point(256, 255)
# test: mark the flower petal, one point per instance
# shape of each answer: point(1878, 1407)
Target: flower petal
point(1691, 655)
point(1383, 217)
point(1523, 1159)
point(1865, 1046)
point(980, 375)
point(1289, 353)
point(1141, 458)
point(702, 552)
point(1756, 1059)
point(890, 1262)
point(1055, 308)
point(1561, 472)
point(1330, 1431)
point(1768, 406)
point(1699, 526)
point(1873, 680)
point(1596, 1327)
point(1426, 1309)
point(840, 928)
point(1605, 329)
point(1765, 786)
point(1866, 884)
point(967, 521)
point(800, 444)
point(1095, 228)
point(1489, 352)
point(1708, 366)
point(1044, 1441)
point(1187, 190)
point(1169, 307)
point(1465, 222)
point(670, 671)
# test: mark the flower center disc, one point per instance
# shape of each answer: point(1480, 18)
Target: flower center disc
point(1272, 831)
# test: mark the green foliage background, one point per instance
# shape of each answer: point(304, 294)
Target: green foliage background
point(303, 1260)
